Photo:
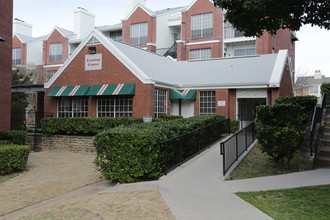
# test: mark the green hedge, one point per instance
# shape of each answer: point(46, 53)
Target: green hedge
point(325, 89)
point(234, 125)
point(12, 137)
point(280, 130)
point(84, 126)
point(306, 102)
point(130, 154)
point(13, 158)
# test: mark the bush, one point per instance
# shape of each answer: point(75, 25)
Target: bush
point(13, 158)
point(130, 154)
point(170, 117)
point(234, 126)
point(84, 126)
point(12, 137)
point(306, 102)
point(280, 130)
point(325, 89)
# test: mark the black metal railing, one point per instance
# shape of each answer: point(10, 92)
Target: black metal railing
point(316, 119)
point(172, 51)
point(234, 146)
point(178, 150)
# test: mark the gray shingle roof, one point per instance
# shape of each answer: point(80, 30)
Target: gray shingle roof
point(24, 38)
point(65, 32)
point(309, 80)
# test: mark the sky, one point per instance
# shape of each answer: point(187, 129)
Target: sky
point(312, 49)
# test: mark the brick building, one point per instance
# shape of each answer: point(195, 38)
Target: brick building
point(6, 14)
point(106, 78)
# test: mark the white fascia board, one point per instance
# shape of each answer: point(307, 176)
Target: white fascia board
point(113, 49)
point(151, 44)
point(18, 38)
point(275, 79)
point(136, 7)
point(55, 65)
point(191, 4)
point(203, 42)
point(55, 28)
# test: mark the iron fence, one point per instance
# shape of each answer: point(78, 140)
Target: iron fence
point(316, 119)
point(178, 150)
point(234, 146)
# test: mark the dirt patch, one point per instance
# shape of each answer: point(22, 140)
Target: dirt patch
point(49, 174)
point(116, 205)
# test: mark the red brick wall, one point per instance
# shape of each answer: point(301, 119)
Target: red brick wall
point(140, 16)
point(18, 44)
point(55, 37)
point(6, 22)
point(284, 90)
point(201, 7)
point(113, 72)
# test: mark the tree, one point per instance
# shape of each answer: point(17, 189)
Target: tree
point(256, 16)
point(19, 100)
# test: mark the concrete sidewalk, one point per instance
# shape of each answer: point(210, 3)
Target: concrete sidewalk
point(197, 189)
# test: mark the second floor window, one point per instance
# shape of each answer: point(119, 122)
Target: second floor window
point(17, 56)
point(200, 54)
point(139, 33)
point(202, 25)
point(245, 52)
point(55, 52)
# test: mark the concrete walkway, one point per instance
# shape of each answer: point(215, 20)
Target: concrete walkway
point(197, 190)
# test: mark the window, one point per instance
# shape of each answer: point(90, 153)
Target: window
point(200, 54)
point(117, 35)
point(17, 56)
point(160, 102)
point(207, 103)
point(314, 89)
point(55, 52)
point(139, 33)
point(72, 107)
point(245, 52)
point(202, 25)
point(50, 74)
point(114, 106)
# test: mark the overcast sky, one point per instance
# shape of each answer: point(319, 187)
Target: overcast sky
point(312, 49)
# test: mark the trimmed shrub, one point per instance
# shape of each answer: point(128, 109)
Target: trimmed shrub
point(84, 126)
point(306, 102)
point(13, 137)
point(234, 125)
point(13, 158)
point(280, 130)
point(170, 117)
point(130, 154)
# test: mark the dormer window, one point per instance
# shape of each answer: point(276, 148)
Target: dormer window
point(55, 52)
point(202, 25)
point(139, 34)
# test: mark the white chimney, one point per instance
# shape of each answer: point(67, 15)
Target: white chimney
point(317, 74)
point(131, 4)
point(84, 22)
point(20, 27)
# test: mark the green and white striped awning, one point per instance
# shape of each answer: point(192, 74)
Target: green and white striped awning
point(69, 91)
point(183, 94)
point(112, 89)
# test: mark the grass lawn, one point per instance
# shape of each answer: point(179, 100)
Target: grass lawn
point(301, 203)
point(257, 164)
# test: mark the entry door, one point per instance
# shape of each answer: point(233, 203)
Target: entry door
point(187, 108)
point(247, 109)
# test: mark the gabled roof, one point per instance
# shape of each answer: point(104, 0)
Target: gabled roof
point(310, 80)
point(23, 38)
point(64, 32)
point(147, 10)
point(191, 4)
point(115, 27)
point(239, 72)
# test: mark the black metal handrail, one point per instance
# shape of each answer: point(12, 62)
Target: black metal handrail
point(234, 146)
point(316, 119)
point(178, 150)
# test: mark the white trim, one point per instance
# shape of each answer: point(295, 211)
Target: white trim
point(151, 44)
point(136, 7)
point(238, 39)
point(191, 4)
point(180, 41)
point(203, 42)
point(275, 79)
point(55, 65)
point(55, 28)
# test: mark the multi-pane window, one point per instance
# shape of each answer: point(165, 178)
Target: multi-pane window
point(202, 25)
point(200, 54)
point(160, 102)
point(55, 52)
point(207, 103)
point(72, 107)
point(116, 35)
point(17, 56)
point(245, 52)
point(139, 33)
point(314, 89)
point(114, 106)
